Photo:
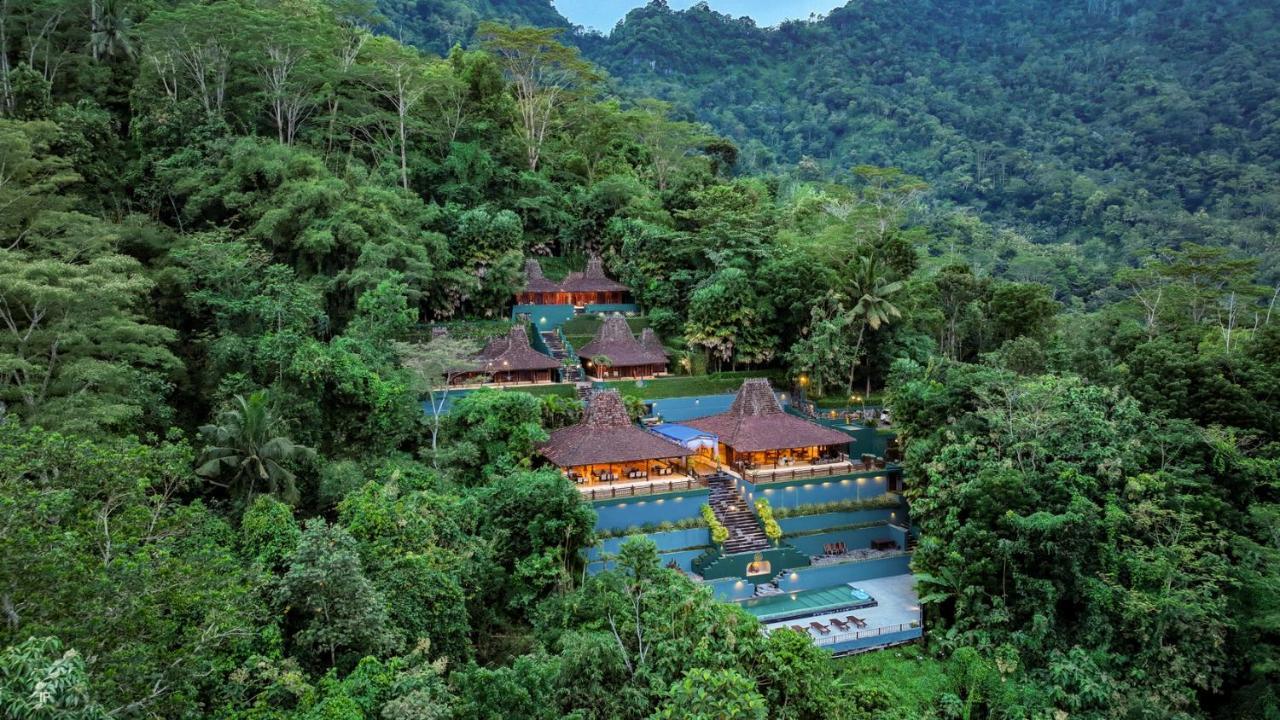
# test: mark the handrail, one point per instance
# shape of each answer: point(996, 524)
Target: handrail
point(610, 493)
point(758, 477)
point(838, 638)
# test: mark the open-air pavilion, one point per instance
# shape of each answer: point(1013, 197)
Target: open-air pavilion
point(509, 359)
point(608, 451)
point(760, 440)
point(538, 290)
point(626, 356)
point(592, 287)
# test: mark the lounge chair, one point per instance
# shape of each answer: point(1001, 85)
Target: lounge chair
point(800, 629)
point(857, 621)
point(841, 625)
point(822, 629)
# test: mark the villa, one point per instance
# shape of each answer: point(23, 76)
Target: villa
point(759, 439)
point(509, 359)
point(580, 289)
point(608, 455)
point(538, 290)
point(626, 356)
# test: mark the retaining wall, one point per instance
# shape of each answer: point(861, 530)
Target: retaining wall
point(821, 521)
point(820, 576)
point(649, 510)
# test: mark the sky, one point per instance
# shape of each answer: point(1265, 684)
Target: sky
point(604, 14)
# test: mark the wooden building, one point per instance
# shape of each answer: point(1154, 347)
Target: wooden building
point(607, 447)
point(538, 290)
point(592, 287)
point(626, 356)
point(510, 359)
point(757, 433)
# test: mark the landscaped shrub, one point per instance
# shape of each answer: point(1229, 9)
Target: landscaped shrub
point(880, 501)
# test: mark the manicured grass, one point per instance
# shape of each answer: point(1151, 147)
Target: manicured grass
point(911, 679)
point(682, 386)
point(840, 400)
point(561, 389)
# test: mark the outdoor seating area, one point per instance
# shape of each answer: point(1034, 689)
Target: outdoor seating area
point(757, 438)
point(896, 613)
point(608, 450)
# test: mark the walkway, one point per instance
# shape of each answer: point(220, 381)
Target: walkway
point(745, 533)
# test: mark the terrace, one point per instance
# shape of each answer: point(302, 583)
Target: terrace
point(828, 615)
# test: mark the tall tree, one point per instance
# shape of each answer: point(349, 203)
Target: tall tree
point(544, 76)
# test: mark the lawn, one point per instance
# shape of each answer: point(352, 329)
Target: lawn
point(681, 386)
point(561, 389)
point(840, 400)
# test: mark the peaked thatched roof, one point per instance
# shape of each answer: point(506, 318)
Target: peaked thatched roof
point(592, 279)
point(607, 435)
point(534, 280)
point(512, 352)
point(615, 341)
point(649, 339)
point(756, 421)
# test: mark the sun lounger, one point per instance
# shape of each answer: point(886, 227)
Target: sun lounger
point(822, 629)
point(800, 629)
point(857, 621)
point(841, 625)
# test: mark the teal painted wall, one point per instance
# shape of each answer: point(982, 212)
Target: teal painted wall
point(820, 576)
point(544, 317)
point(859, 539)
point(683, 558)
point(650, 510)
point(666, 541)
point(731, 589)
point(805, 523)
point(862, 486)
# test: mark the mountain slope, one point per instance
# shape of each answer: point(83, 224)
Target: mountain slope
point(1136, 123)
point(437, 25)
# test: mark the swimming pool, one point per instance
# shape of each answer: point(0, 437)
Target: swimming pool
point(803, 603)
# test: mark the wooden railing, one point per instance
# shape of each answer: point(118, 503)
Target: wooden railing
point(609, 492)
point(759, 476)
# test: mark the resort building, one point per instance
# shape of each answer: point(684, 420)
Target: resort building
point(607, 455)
point(510, 359)
point(592, 287)
point(580, 289)
point(538, 290)
point(615, 353)
point(757, 437)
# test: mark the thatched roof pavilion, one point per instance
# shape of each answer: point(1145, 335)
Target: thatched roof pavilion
point(607, 437)
point(756, 429)
point(628, 357)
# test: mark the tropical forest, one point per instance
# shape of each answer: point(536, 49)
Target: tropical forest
point(452, 360)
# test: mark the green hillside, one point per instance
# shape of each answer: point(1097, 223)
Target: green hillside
point(1121, 126)
point(437, 25)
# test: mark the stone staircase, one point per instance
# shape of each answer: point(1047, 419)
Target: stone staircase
point(569, 373)
point(745, 533)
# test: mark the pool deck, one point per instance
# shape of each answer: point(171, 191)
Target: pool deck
point(898, 605)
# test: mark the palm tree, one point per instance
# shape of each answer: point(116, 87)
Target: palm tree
point(870, 289)
point(111, 29)
point(247, 447)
